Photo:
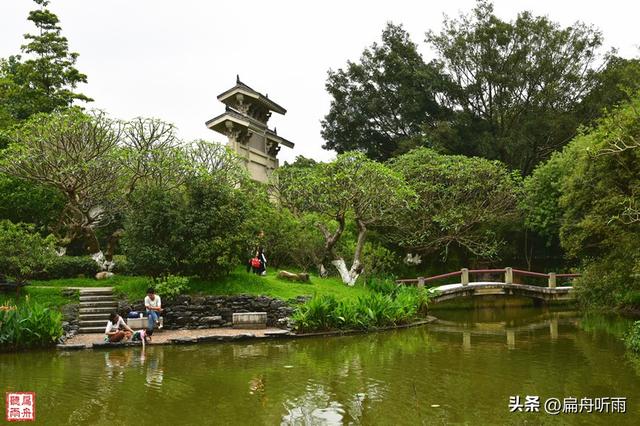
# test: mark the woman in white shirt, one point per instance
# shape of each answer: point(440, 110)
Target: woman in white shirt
point(114, 331)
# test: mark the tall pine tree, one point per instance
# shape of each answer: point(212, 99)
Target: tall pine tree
point(45, 79)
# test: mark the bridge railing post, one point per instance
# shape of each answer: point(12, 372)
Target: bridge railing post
point(464, 276)
point(420, 282)
point(552, 280)
point(508, 275)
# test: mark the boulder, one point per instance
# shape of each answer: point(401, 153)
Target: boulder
point(104, 275)
point(301, 277)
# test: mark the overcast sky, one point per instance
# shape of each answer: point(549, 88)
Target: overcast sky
point(170, 59)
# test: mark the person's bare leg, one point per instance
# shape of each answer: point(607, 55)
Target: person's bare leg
point(118, 336)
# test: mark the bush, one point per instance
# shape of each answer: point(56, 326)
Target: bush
point(154, 232)
point(195, 232)
point(632, 339)
point(29, 325)
point(69, 267)
point(170, 286)
point(610, 282)
point(23, 252)
point(370, 311)
point(122, 265)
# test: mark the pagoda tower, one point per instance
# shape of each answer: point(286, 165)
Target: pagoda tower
point(244, 122)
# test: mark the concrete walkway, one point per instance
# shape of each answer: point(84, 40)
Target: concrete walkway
point(166, 336)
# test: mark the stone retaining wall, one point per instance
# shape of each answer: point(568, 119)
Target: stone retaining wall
point(70, 321)
point(194, 312)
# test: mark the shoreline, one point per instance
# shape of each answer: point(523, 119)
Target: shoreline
point(190, 337)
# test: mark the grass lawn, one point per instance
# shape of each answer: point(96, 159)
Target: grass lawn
point(49, 297)
point(237, 282)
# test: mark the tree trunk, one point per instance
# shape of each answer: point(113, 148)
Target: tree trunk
point(349, 276)
point(323, 271)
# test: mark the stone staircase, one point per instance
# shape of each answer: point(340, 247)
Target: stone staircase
point(95, 306)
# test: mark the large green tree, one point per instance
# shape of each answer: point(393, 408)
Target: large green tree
point(461, 200)
point(350, 188)
point(383, 104)
point(46, 78)
point(95, 163)
point(588, 196)
point(195, 228)
point(518, 84)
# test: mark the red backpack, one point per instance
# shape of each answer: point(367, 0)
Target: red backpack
point(255, 262)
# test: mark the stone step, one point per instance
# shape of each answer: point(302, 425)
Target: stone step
point(93, 323)
point(99, 304)
point(95, 291)
point(97, 298)
point(95, 316)
point(97, 310)
point(91, 329)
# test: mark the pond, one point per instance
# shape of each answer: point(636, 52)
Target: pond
point(461, 370)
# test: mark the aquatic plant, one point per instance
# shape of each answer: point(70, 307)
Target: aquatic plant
point(370, 311)
point(29, 325)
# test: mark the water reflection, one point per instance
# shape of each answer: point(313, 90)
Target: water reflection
point(461, 370)
point(522, 329)
point(320, 406)
point(154, 371)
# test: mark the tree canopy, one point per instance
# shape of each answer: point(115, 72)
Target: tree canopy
point(514, 91)
point(352, 186)
point(46, 78)
point(460, 200)
point(385, 103)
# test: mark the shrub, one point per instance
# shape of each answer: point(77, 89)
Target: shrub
point(23, 252)
point(214, 219)
point(379, 260)
point(632, 339)
point(29, 325)
point(170, 286)
point(610, 282)
point(154, 236)
point(197, 231)
point(69, 267)
point(122, 265)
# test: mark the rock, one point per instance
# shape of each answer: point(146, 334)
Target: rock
point(104, 275)
point(70, 347)
point(211, 320)
point(184, 341)
point(290, 276)
point(68, 292)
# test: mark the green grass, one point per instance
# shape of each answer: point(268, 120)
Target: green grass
point(237, 282)
point(48, 297)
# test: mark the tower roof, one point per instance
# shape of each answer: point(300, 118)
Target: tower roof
point(257, 97)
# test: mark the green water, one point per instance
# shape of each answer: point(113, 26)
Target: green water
point(462, 370)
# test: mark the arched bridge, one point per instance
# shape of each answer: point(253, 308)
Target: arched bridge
point(465, 288)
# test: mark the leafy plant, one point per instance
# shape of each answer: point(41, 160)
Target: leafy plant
point(171, 286)
point(370, 311)
point(632, 339)
point(23, 251)
point(29, 325)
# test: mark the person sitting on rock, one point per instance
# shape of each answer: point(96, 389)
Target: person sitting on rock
point(114, 331)
point(154, 307)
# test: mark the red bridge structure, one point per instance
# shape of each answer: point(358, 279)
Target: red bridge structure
point(466, 288)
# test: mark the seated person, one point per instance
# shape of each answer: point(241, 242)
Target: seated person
point(154, 307)
point(113, 332)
